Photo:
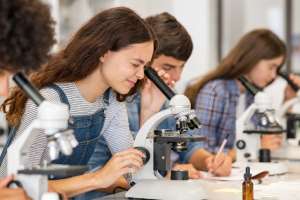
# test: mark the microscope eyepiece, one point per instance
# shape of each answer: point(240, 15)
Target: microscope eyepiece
point(285, 76)
point(162, 86)
point(251, 87)
point(21, 80)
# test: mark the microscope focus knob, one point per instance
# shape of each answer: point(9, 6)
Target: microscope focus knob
point(247, 155)
point(241, 144)
point(145, 152)
point(179, 175)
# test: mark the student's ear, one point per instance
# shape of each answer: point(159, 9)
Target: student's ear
point(104, 56)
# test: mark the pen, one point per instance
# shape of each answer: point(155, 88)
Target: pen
point(222, 145)
point(221, 148)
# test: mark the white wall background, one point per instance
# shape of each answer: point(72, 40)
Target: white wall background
point(241, 16)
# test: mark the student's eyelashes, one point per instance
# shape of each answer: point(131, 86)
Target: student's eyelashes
point(272, 67)
point(166, 68)
point(135, 65)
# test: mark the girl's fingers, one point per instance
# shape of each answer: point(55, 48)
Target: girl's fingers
point(131, 151)
point(130, 159)
point(5, 181)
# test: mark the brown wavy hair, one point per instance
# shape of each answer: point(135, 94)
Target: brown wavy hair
point(255, 46)
point(112, 29)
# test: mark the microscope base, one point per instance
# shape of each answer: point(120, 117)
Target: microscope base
point(34, 185)
point(167, 190)
point(274, 168)
point(288, 152)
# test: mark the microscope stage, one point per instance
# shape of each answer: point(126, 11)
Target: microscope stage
point(57, 170)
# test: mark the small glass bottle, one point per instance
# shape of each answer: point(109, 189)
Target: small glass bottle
point(247, 185)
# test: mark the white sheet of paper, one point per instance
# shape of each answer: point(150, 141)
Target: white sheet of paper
point(282, 190)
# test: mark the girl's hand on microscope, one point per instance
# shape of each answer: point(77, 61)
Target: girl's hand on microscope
point(11, 193)
point(289, 93)
point(272, 142)
point(193, 172)
point(129, 161)
point(219, 165)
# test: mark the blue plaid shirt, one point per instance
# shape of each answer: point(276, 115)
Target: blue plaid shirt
point(215, 107)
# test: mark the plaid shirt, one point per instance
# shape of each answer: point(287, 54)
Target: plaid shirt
point(215, 107)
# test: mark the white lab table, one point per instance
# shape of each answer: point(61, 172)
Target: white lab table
point(231, 190)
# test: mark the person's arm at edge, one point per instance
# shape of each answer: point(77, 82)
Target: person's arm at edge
point(198, 159)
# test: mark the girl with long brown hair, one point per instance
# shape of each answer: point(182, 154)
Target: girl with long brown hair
point(95, 71)
point(219, 97)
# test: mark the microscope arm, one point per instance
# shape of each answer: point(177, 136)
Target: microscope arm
point(245, 143)
point(18, 148)
point(179, 106)
point(287, 105)
point(261, 103)
point(51, 117)
point(247, 115)
point(150, 125)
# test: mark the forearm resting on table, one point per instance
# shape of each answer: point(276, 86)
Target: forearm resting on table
point(75, 185)
point(84, 183)
point(120, 183)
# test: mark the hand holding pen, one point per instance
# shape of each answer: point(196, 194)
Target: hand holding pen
point(220, 164)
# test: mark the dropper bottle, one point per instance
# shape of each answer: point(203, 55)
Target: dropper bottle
point(247, 185)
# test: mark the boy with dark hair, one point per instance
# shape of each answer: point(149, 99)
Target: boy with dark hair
point(174, 49)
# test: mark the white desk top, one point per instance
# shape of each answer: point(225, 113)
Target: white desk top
point(231, 190)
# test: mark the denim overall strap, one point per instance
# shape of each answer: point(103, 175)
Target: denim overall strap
point(62, 95)
point(87, 129)
point(106, 97)
point(102, 152)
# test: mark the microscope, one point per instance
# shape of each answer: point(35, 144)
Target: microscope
point(53, 119)
point(3, 129)
point(259, 119)
point(289, 115)
point(158, 144)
